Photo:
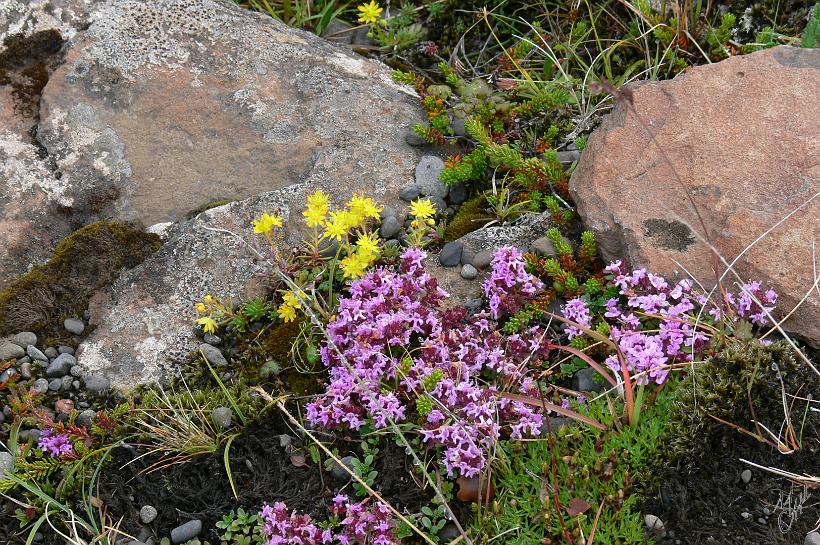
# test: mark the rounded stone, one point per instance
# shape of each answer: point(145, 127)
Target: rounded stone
point(427, 177)
point(60, 366)
point(450, 254)
point(390, 227)
point(812, 538)
point(86, 418)
point(147, 514)
point(25, 370)
point(24, 339)
point(40, 386)
point(51, 352)
point(63, 406)
point(74, 326)
point(10, 351)
point(66, 382)
point(458, 193)
point(586, 380)
point(414, 139)
point(76, 371)
point(438, 203)
point(410, 193)
point(35, 353)
point(62, 349)
point(213, 355)
point(654, 525)
point(543, 247)
point(55, 384)
point(468, 272)
point(483, 259)
point(212, 339)
point(187, 531)
point(222, 417)
point(339, 473)
point(746, 476)
point(97, 384)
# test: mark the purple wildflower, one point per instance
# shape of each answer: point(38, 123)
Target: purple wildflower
point(509, 285)
point(55, 444)
point(282, 528)
point(363, 523)
point(577, 311)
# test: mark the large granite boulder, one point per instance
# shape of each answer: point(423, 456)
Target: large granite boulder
point(144, 111)
point(744, 138)
point(161, 107)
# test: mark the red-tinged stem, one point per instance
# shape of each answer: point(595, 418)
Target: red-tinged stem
point(592, 363)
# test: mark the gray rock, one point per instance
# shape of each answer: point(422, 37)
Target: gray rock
point(746, 476)
point(97, 384)
point(450, 254)
point(339, 473)
point(51, 352)
point(388, 211)
point(24, 339)
point(585, 380)
point(77, 371)
point(390, 227)
point(60, 366)
point(467, 256)
point(414, 139)
point(86, 417)
point(328, 248)
point(35, 354)
point(24, 359)
point(483, 259)
point(569, 156)
point(74, 326)
point(458, 193)
point(148, 513)
point(10, 351)
point(655, 525)
point(55, 384)
point(25, 370)
point(458, 126)
point(29, 436)
point(410, 193)
point(468, 272)
point(7, 374)
point(75, 384)
point(427, 177)
point(222, 417)
point(66, 382)
point(64, 350)
point(438, 203)
point(187, 531)
point(213, 355)
point(543, 247)
point(40, 386)
point(812, 538)
point(6, 463)
point(211, 339)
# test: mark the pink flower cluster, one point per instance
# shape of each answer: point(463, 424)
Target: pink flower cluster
point(359, 523)
point(393, 342)
point(509, 285)
point(747, 304)
point(55, 444)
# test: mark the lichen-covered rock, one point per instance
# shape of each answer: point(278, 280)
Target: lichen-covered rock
point(744, 137)
point(160, 107)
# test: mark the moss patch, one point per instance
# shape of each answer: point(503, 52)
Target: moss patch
point(85, 261)
point(470, 217)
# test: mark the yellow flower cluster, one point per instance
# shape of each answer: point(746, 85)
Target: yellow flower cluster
point(290, 303)
point(265, 224)
point(358, 211)
point(207, 322)
point(364, 255)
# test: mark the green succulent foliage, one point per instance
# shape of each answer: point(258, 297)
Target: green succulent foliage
point(364, 468)
point(718, 37)
point(241, 528)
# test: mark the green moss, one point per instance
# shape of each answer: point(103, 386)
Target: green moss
point(207, 206)
point(591, 465)
point(85, 261)
point(739, 385)
point(278, 343)
point(470, 217)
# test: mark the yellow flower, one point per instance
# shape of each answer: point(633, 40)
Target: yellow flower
point(319, 201)
point(208, 299)
point(423, 209)
point(266, 223)
point(200, 308)
point(287, 312)
point(364, 207)
point(368, 244)
point(369, 13)
point(315, 217)
point(353, 266)
point(339, 225)
point(208, 324)
point(292, 299)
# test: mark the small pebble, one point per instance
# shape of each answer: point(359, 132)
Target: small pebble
point(761, 520)
point(212, 339)
point(458, 193)
point(66, 382)
point(24, 339)
point(414, 139)
point(746, 515)
point(390, 228)
point(655, 525)
point(746, 476)
point(213, 355)
point(812, 538)
point(450, 254)
point(221, 417)
point(61, 365)
point(427, 177)
point(97, 384)
point(543, 247)
point(51, 352)
point(468, 272)
point(148, 513)
point(64, 406)
point(410, 193)
point(339, 473)
point(40, 386)
point(438, 203)
point(75, 384)
point(65, 350)
point(186, 531)
point(74, 326)
point(25, 370)
point(86, 418)
point(10, 351)
point(55, 384)
point(35, 354)
point(76, 371)
point(24, 359)
point(6, 463)
point(483, 259)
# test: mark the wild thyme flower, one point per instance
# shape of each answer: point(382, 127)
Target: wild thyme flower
point(509, 285)
point(55, 444)
point(363, 523)
point(282, 528)
point(577, 311)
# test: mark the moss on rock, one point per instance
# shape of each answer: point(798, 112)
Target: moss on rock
point(85, 261)
point(470, 217)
